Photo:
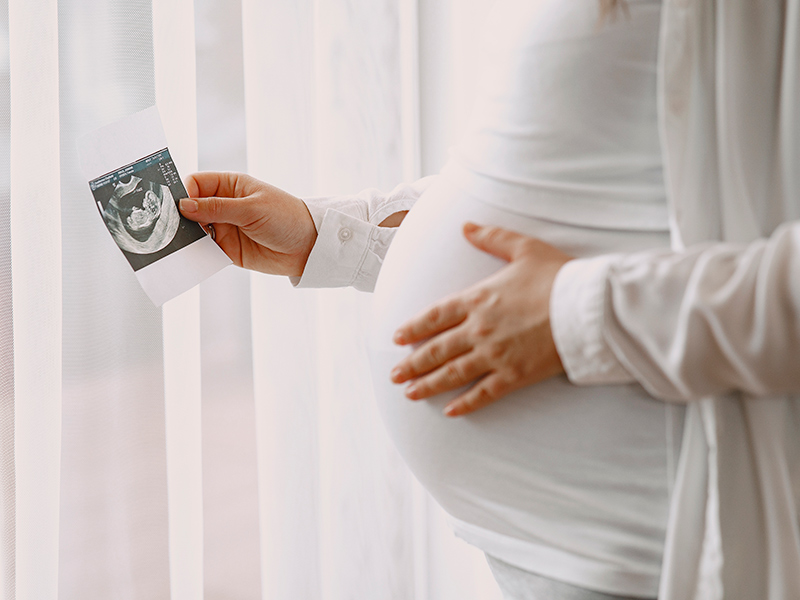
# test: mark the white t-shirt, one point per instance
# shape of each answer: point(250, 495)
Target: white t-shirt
point(566, 124)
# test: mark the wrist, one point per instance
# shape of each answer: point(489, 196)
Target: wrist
point(308, 237)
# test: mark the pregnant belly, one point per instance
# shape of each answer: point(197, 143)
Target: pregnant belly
point(568, 470)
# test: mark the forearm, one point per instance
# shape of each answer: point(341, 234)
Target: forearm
point(705, 321)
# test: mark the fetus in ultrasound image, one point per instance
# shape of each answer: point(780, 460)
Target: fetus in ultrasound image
point(138, 203)
point(141, 215)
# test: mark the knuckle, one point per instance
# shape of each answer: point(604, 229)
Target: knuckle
point(452, 373)
point(483, 329)
point(493, 299)
point(525, 243)
point(474, 366)
point(413, 330)
point(489, 389)
point(456, 308)
point(496, 351)
point(481, 397)
point(530, 247)
point(434, 314)
point(496, 388)
point(436, 354)
point(493, 233)
point(415, 364)
point(478, 297)
point(451, 309)
point(410, 369)
point(244, 183)
point(191, 185)
point(517, 372)
point(213, 206)
point(484, 298)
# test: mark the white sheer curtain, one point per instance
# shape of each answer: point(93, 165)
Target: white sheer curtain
point(226, 446)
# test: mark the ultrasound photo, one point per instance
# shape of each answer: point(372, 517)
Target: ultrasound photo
point(136, 187)
point(138, 203)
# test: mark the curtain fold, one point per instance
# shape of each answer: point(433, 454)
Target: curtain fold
point(113, 505)
point(365, 496)
point(7, 471)
point(175, 87)
point(36, 290)
point(232, 555)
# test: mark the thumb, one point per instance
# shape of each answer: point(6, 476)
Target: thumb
point(497, 241)
point(213, 209)
point(217, 197)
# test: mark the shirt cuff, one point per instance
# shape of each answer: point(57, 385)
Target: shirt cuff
point(348, 251)
point(577, 306)
point(317, 211)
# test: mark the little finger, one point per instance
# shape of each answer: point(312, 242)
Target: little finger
point(433, 353)
point(450, 376)
point(487, 390)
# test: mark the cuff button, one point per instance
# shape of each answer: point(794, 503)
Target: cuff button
point(345, 234)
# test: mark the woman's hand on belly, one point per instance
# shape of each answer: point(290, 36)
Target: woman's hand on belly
point(496, 332)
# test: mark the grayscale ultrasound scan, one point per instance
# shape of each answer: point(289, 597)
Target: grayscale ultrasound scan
point(138, 203)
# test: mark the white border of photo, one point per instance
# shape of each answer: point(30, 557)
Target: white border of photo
point(122, 143)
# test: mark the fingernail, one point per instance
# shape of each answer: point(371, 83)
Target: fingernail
point(470, 227)
point(188, 205)
point(411, 392)
point(451, 410)
point(399, 338)
point(396, 375)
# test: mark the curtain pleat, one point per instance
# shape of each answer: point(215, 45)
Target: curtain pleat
point(280, 123)
point(288, 470)
point(183, 428)
point(36, 289)
point(232, 557)
point(232, 560)
point(7, 478)
point(435, 82)
point(114, 523)
point(366, 504)
point(175, 84)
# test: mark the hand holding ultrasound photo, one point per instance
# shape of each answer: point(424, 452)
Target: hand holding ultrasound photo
point(136, 188)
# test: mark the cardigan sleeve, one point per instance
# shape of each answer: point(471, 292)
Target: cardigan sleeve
point(351, 245)
point(711, 319)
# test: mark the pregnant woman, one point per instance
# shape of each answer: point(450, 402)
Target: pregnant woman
point(566, 489)
point(569, 483)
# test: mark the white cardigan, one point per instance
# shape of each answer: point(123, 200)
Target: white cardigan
point(716, 322)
